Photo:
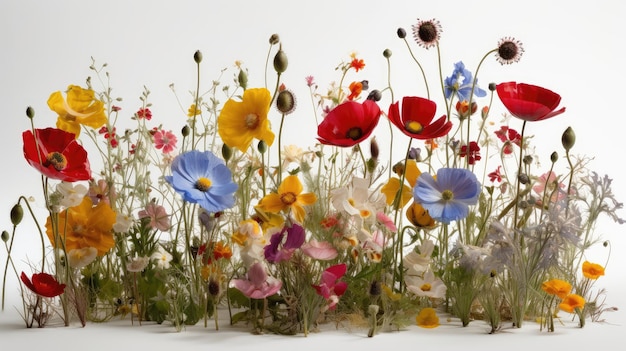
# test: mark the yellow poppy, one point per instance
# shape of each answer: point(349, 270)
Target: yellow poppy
point(557, 287)
point(592, 270)
point(427, 318)
point(241, 121)
point(83, 226)
point(288, 198)
point(390, 190)
point(571, 302)
point(79, 108)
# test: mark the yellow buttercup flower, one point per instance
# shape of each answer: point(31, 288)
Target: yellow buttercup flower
point(241, 121)
point(79, 108)
point(571, 302)
point(193, 110)
point(592, 270)
point(427, 318)
point(557, 287)
point(390, 190)
point(288, 198)
point(84, 226)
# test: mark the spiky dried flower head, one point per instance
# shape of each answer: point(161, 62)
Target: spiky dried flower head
point(286, 101)
point(427, 32)
point(510, 51)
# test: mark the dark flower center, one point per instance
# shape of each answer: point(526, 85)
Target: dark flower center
point(56, 160)
point(508, 50)
point(288, 198)
point(214, 287)
point(427, 32)
point(252, 121)
point(203, 184)
point(354, 133)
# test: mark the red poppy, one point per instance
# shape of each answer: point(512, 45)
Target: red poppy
point(349, 123)
point(56, 154)
point(416, 119)
point(529, 102)
point(43, 284)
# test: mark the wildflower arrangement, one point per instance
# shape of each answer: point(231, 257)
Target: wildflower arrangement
point(222, 219)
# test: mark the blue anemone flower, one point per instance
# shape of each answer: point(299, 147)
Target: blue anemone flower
point(203, 178)
point(448, 197)
point(461, 82)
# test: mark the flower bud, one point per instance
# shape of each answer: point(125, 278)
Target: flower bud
point(605, 243)
point(523, 178)
point(365, 84)
point(30, 112)
point(242, 79)
point(568, 139)
point(374, 150)
point(197, 56)
point(262, 147)
point(280, 61)
point(375, 288)
point(185, 131)
point(387, 53)
point(527, 159)
point(401, 33)
point(17, 213)
point(492, 86)
point(286, 101)
point(227, 152)
point(375, 95)
point(274, 39)
point(5, 236)
point(554, 157)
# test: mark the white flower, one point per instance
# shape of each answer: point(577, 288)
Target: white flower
point(79, 258)
point(357, 201)
point(123, 223)
point(162, 257)
point(418, 261)
point(137, 264)
point(291, 154)
point(428, 285)
point(72, 193)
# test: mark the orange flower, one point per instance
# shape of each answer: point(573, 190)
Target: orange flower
point(557, 287)
point(419, 217)
point(355, 90)
point(431, 143)
point(357, 64)
point(288, 198)
point(571, 302)
point(221, 250)
point(427, 318)
point(390, 190)
point(592, 270)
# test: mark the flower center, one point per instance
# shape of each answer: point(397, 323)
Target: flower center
point(447, 195)
point(203, 184)
point(252, 121)
point(508, 50)
point(70, 118)
point(288, 198)
point(56, 160)
point(427, 32)
point(425, 287)
point(414, 127)
point(354, 133)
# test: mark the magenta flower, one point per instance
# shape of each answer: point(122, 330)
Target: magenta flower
point(258, 285)
point(165, 140)
point(283, 244)
point(330, 287)
point(159, 219)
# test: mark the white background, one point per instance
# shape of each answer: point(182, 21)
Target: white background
point(571, 48)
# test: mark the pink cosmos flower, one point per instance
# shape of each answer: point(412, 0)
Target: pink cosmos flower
point(258, 285)
point(549, 184)
point(159, 218)
point(330, 287)
point(165, 140)
point(319, 250)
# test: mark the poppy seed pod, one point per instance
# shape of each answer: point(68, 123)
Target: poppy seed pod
point(375, 95)
point(5, 236)
point(274, 39)
point(197, 56)
point(387, 53)
point(262, 146)
point(17, 213)
point(280, 61)
point(492, 86)
point(568, 139)
point(185, 131)
point(30, 112)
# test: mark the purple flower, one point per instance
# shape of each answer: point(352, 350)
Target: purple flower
point(283, 244)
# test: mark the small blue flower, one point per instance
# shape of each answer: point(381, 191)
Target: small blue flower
point(449, 196)
point(203, 178)
point(461, 82)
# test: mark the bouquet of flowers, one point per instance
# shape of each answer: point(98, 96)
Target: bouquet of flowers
point(222, 219)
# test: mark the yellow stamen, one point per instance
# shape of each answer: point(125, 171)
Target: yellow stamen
point(252, 121)
point(288, 198)
point(57, 160)
point(203, 184)
point(414, 127)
